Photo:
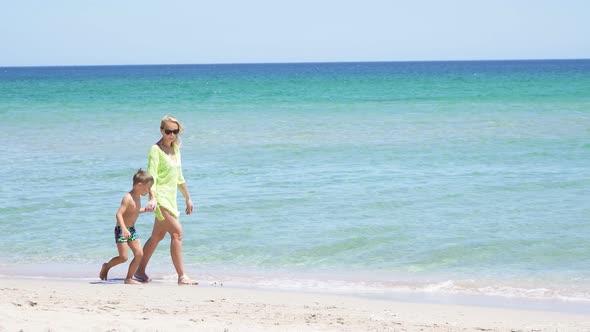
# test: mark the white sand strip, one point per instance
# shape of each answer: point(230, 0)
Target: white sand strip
point(56, 305)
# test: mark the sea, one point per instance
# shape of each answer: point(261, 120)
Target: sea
point(443, 181)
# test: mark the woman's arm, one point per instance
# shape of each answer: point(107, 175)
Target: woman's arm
point(189, 202)
point(153, 161)
point(151, 204)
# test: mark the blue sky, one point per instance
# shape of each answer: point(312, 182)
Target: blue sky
point(81, 32)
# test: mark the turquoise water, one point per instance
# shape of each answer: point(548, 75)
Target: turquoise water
point(457, 177)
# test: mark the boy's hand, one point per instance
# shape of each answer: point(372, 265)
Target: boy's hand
point(189, 206)
point(126, 233)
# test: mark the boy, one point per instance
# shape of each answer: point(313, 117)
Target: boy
point(125, 235)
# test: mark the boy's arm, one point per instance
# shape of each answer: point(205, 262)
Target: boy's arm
point(122, 209)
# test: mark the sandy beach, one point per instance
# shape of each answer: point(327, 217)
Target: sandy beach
point(82, 305)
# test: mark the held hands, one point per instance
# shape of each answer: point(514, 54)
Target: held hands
point(151, 205)
point(189, 206)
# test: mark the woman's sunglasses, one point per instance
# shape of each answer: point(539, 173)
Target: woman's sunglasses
point(168, 131)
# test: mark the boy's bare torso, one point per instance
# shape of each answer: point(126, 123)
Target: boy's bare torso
point(132, 212)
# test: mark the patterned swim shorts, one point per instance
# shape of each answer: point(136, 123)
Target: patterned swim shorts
point(119, 234)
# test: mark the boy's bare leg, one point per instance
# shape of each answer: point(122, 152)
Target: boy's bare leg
point(135, 246)
point(158, 233)
point(122, 258)
point(103, 272)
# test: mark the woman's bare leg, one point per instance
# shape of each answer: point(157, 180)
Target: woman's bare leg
point(174, 228)
point(158, 233)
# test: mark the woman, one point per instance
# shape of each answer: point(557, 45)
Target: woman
point(165, 166)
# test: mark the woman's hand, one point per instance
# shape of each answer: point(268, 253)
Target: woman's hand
point(189, 202)
point(189, 206)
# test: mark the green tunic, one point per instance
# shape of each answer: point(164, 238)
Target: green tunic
point(167, 175)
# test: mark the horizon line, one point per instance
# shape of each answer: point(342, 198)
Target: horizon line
point(290, 62)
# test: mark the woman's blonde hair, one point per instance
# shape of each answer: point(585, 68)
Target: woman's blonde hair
point(170, 118)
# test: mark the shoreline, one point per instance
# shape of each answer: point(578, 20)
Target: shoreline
point(62, 304)
point(439, 292)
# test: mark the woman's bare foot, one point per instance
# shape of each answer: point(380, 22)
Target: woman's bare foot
point(103, 272)
point(142, 277)
point(185, 280)
point(130, 281)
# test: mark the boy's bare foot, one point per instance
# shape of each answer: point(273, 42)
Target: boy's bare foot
point(130, 281)
point(185, 280)
point(142, 277)
point(103, 272)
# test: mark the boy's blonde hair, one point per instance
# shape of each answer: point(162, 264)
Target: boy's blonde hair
point(142, 177)
point(170, 118)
